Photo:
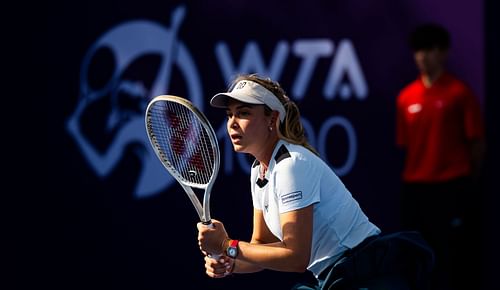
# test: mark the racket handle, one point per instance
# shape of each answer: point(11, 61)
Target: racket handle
point(213, 256)
point(216, 257)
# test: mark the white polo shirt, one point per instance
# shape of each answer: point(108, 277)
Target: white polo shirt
point(297, 178)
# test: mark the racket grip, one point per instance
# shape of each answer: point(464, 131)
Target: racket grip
point(216, 257)
point(213, 256)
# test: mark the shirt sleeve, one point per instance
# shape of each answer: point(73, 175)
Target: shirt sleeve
point(297, 185)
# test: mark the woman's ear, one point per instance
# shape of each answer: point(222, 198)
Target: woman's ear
point(274, 117)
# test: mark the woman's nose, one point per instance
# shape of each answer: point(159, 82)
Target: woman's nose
point(231, 123)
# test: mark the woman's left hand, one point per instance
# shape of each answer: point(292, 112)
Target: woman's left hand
point(220, 268)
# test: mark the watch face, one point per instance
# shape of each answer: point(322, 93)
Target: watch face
point(231, 252)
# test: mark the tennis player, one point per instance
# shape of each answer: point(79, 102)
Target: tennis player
point(304, 216)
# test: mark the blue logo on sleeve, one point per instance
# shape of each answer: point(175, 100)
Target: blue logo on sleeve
point(292, 196)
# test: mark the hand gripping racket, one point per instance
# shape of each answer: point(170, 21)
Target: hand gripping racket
point(186, 145)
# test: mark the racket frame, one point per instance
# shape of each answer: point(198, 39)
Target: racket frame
point(202, 209)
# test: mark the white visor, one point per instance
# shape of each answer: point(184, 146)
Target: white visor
point(251, 93)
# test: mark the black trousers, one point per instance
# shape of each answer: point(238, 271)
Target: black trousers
point(448, 216)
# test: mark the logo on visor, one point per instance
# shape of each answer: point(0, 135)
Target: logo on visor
point(240, 85)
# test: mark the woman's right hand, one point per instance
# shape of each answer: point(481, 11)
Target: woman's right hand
point(220, 268)
point(211, 238)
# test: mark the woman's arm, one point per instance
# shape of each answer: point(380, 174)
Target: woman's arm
point(266, 252)
point(260, 235)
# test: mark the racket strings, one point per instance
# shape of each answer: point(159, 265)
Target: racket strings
point(182, 141)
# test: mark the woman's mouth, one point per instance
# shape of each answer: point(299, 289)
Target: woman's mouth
point(235, 138)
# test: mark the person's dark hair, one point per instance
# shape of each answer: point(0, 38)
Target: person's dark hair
point(429, 36)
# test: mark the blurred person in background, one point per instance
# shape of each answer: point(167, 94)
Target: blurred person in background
point(440, 127)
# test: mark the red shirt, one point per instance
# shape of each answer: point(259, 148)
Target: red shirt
point(435, 125)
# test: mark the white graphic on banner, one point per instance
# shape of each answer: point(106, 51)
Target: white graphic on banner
point(133, 40)
point(344, 63)
point(128, 42)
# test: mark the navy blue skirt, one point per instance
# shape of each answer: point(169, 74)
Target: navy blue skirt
point(397, 261)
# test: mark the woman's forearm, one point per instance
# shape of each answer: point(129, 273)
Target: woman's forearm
point(275, 256)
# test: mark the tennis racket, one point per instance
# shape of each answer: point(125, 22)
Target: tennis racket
point(186, 145)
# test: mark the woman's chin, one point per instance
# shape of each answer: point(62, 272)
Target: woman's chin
point(238, 148)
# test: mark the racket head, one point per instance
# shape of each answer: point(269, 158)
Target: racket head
point(185, 143)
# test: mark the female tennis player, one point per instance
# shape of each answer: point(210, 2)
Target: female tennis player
point(304, 216)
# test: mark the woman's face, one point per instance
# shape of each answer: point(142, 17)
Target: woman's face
point(248, 127)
